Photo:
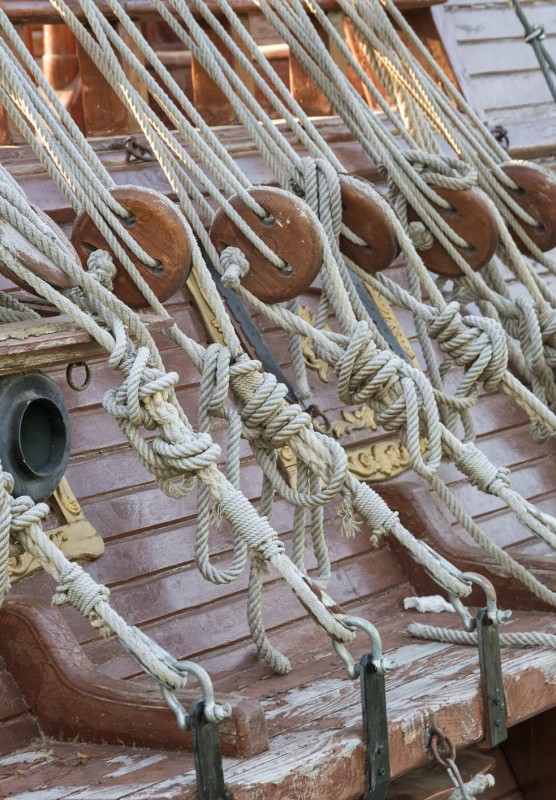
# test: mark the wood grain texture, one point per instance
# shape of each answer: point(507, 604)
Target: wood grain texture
point(536, 195)
point(31, 257)
point(103, 709)
point(288, 229)
point(469, 216)
point(365, 218)
point(157, 226)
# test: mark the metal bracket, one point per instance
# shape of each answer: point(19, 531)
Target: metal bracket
point(494, 702)
point(207, 755)
point(375, 726)
point(492, 687)
point(371, 671)
point(202, 720)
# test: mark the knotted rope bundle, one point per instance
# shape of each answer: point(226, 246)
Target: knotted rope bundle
point(302, 433)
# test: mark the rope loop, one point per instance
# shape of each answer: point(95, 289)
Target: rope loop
point(146, 399)
point(399, 394)
point(267, 418)
point(215, 381)
point(443, 171)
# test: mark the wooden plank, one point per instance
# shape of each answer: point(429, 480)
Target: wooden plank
point(528, 89)
point(103, 709)
point(28, 345)
point(17, 732)
point(503, 56)
point(485, 23)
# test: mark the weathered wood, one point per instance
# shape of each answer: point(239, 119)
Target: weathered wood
point(470, 217)
point(103, 709)
point(536, 195)
point(287, 229)
point(427, 519)
point(529, 752)
point(28, 345)
point(365, 218)
point(30, 256)
point(157, 226)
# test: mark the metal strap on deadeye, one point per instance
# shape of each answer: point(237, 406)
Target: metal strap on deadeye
point(371, 671)
point(202, 720)
point(486, 623)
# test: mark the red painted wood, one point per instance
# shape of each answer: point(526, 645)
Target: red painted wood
point(17, 732)
point(102, 709)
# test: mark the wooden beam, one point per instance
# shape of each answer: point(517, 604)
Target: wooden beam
point(37, 344)
point(103, 709)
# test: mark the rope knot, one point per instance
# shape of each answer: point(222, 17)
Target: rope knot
point(420, 235)
point(146, 398)
point(78, 589)
point(268, 420)
point(400, 395)
point(234, 266)
point(476, 343)
point(474, 787)
point(100, 265)
point(481, 472)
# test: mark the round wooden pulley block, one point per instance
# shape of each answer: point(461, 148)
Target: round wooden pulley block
point(470, 217)
point(156, 225)
point(364, 217)
point(288, 229)
point(535, 194)
point(34, 259)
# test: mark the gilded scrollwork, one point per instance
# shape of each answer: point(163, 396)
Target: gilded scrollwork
point(77, 539)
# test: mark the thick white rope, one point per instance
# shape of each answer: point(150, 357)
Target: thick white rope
point(456, 636)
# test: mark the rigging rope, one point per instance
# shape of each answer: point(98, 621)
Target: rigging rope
point(487, 480)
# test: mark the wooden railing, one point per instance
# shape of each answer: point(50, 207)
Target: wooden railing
point(100, 113)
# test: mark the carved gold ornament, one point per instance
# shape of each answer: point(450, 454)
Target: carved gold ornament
point(76, 537)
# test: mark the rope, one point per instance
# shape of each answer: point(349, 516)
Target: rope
point(534, 35)
point(270, 435)
point(454, 636)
